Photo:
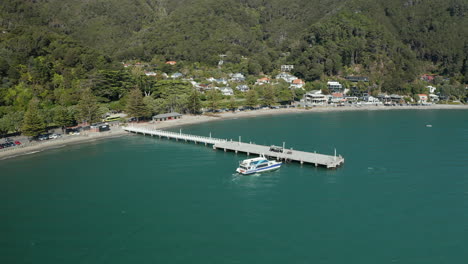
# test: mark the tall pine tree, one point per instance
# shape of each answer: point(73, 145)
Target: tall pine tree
point(135, 105)
point(33, 122)
point(193, 102)
point(88, 108)
point(251, 98)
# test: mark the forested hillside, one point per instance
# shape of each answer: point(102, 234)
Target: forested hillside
point(53, 50)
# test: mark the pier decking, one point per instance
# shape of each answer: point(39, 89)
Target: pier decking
point(248, 148)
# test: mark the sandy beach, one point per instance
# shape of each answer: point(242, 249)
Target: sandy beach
point(116, 131)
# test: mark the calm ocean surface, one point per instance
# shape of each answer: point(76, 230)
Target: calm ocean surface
point(401, 197)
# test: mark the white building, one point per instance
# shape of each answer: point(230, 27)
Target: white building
point(238, 77)
point(434, 98)
point(151, 73)
point(372, 100)
point(221, 81)
point(422, 98)
point(315, 98)
point(297, 84)
point(243, 88)
point(431, 89)
point(334, 86)
point(289, 78)
point(285, 68)
point(176, 75)
point(227, 91)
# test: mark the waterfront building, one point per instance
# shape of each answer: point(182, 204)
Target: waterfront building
point(167, 116)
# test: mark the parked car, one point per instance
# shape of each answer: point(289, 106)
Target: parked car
point(43, 137)
point(276, 149)
point(17, 142)
point(54, 136)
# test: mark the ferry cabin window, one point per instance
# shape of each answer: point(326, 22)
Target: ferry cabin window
point(262, 166)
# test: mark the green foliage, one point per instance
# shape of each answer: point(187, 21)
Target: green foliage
point(135, 105)
point(88, 109)
point(269, 97)
point(176, 103)
point(251, 98)
point(165, 88)
point(232, 103)
point(111, 85)
point(11, 122)
point(33, 122)
point(51, 50)
point(213, 97)
point(64, 116)
point(194, 102)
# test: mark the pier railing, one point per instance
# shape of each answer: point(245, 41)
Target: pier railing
point(174, 135)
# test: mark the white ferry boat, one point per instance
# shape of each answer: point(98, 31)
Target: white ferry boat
point(260, 164)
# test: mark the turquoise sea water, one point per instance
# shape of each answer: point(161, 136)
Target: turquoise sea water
point(401, 197)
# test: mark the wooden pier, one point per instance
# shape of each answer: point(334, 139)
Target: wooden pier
point(247, 148)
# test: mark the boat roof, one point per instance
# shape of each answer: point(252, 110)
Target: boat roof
point(254, 159)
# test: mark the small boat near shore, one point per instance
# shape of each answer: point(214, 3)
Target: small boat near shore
point(255, 165)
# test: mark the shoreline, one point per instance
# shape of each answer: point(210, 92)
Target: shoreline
point(37, 147)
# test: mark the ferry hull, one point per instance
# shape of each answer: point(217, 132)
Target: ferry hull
point(269, 168)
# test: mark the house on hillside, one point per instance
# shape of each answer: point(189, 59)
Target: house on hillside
point(171, 62)
point(226, 91)
point(431, 89)
point(221, 81)
point(428, 77)
point(150, 73)
point(334, 87)
point(238, 77)
point(176, 75)
point(297, 84)
point(289, 78)
point(285, 68)
point(262, 81)
point(243, 88)
point(357, 78)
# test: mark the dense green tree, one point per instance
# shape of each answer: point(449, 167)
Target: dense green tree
point(232, 103)
point(135, 105)
point(251, 98)
point(269, 95)
point(176, 103)
point(213, 97)
point(4, 126)
point(63, 116)
point(194, 102)
point(88, 109)
point(33, 122)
